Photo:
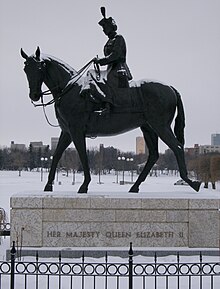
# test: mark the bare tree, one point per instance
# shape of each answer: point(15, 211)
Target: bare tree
point(204, 169)
point(193, 166)
point(215, 169)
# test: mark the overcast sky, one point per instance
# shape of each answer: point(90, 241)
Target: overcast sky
point(174, 41)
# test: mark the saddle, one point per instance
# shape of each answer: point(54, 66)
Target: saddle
point(125, 99)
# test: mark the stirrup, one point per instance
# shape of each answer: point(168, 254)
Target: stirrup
point(103, 112)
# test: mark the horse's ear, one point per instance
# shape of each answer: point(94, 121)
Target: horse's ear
point(103, 12)
point(23, 54)
point(37, 53)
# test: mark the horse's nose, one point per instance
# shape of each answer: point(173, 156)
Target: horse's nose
point(34, 96)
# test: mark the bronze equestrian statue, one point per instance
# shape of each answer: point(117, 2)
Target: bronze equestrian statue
point(145, 104)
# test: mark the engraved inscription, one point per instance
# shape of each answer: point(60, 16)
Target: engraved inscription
point(83, 234)
point(53, 234)
point(154, 234)
point(112, 234)
point(118, 234)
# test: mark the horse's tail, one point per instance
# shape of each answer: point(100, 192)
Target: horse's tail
point(180, 119)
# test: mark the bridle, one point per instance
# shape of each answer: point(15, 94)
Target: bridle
point(75, 77)
point(74, 80)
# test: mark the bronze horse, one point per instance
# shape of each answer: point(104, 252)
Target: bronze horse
point(154, 113)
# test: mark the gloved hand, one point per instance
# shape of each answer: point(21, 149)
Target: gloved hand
point(96, 60)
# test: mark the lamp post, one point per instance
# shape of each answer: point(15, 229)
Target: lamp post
point(74, 177)
point(42, 165)
point(57, 169)
point(116, 170)
point(131, 160)
point(123, 169)
point(100, 163)
point(123, 159)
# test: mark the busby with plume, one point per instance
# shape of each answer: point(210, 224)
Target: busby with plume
point(109, 20)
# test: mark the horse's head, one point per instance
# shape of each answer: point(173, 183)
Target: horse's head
point(35, 71)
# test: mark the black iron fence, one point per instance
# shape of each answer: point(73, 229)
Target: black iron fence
point(4, 226)
point(5, 229)
point(107, 274)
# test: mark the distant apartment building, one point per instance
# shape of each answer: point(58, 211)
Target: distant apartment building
point(194, 151)
point(202, 149)
point(215, 139)
point(18, 146)
point(141, 147)
point(54, 142)
point(205, 149)
point(36, 145)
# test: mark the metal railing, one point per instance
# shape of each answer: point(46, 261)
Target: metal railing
point(104, 274)
point(5, 229)
point(4, 226)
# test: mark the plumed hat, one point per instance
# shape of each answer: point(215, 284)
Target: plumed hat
point(105, 20)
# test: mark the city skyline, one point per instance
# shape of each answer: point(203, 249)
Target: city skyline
point(139, 144)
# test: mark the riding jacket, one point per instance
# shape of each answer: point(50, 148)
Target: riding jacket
point(115, 59)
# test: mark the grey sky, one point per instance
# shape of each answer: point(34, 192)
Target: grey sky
point(174, 41)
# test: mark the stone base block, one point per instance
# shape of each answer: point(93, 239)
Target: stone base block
point(62, 220)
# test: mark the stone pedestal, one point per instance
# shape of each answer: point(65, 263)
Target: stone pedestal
point(62, 220)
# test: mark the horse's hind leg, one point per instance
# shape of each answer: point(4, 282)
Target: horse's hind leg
point(151, 140)
point(63, 143)
point(168, 138)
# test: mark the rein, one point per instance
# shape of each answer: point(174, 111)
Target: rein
point(77, 76)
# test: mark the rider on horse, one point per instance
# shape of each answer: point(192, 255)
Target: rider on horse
point(118, 73)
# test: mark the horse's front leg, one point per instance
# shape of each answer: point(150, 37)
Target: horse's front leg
point(63, 143)
point(80, 145)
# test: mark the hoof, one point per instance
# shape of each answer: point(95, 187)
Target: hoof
point(196, 185)
point(82, 190)
point(134, 189)
point(48, 188)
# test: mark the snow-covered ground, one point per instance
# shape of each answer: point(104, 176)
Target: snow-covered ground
point(154, 187)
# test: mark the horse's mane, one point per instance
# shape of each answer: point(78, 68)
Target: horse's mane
point(57, 61)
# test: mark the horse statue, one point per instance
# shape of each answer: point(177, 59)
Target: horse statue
point(146, 104)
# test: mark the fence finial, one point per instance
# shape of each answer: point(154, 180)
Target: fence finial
point(13, 250)
point(130, 252)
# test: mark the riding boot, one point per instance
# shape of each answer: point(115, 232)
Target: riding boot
point(85, 91)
